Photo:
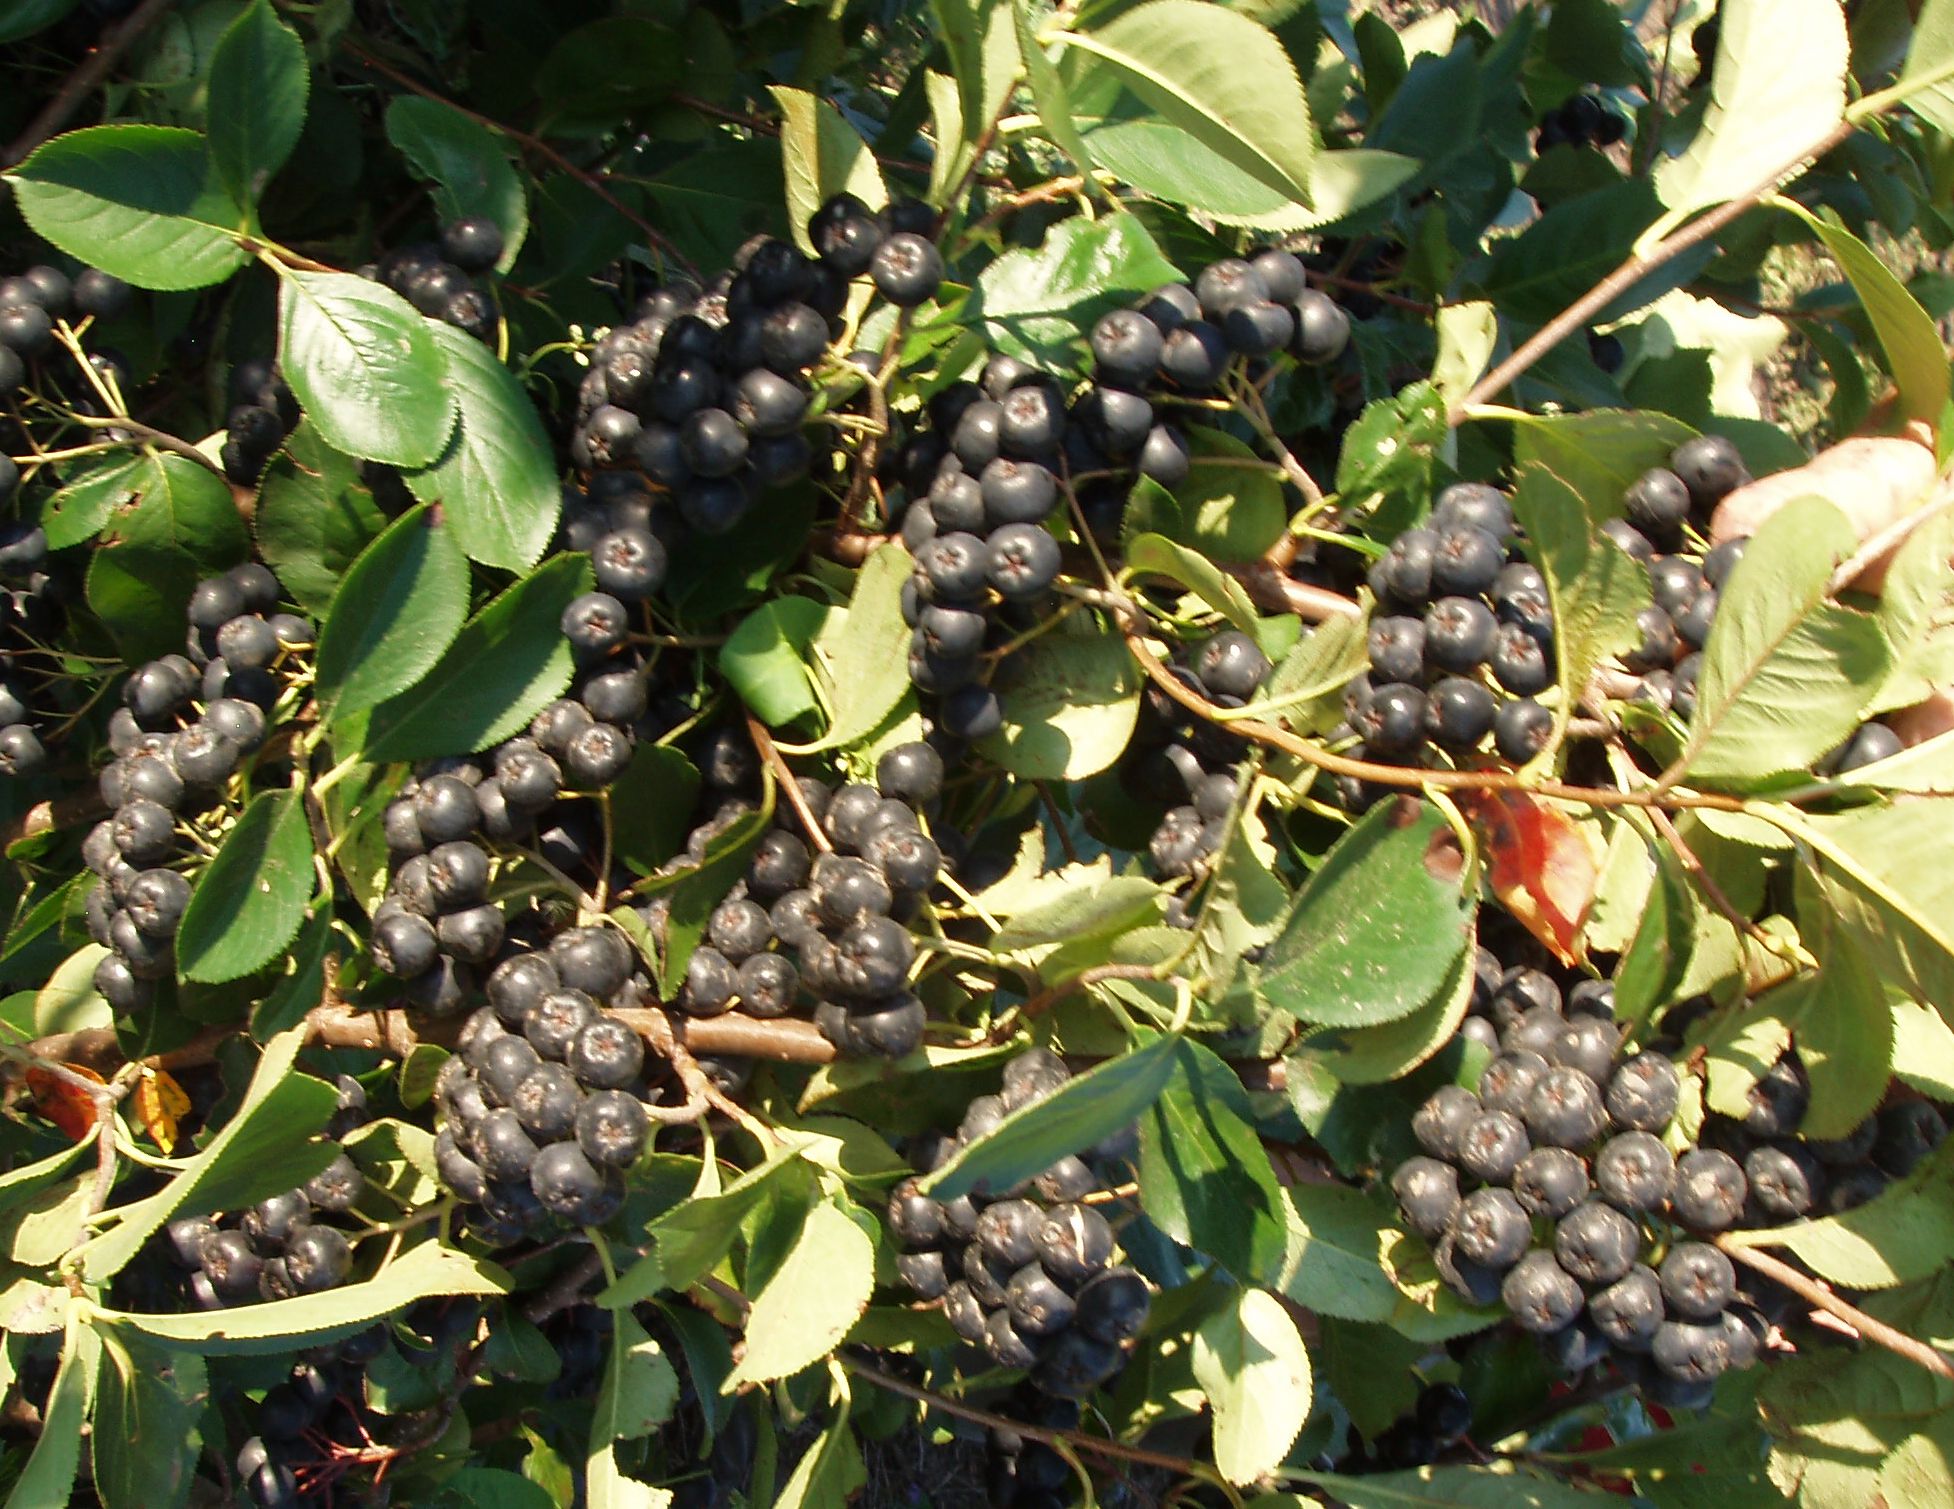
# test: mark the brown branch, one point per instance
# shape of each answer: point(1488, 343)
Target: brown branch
point(1631, 272)
point(94, 68)
point(768, 127)
point(1690, 862)
point(588, 179)
point(1358, 285)
point(1045, 1000)
point(565, 1291)
point(1270, 587)
point(1097, 1445)
point(790, 787)
point(1398, 775)
point(1819, 1296)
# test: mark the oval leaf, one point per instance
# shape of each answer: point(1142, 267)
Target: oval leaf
point(248, 905)
point(472, 174)
point(1251, 1363)
point(400, 606)
point(816, 1295)
point(362, 363)
point(256, 103)
point(1069, 709)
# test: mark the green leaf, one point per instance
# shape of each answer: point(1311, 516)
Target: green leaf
point(1598, 454)
point(493, 1487)
point(148, 1400)
point(264, 1148)
point(1468, 335)
point(1098, 906)
point(1577, 243)
point(766, 657)
point(1086, 1109)
point(1042, 301)
point(22, 18)
point(1204, 1177)
point(1915, 354)
point(248, 905)
point(1334, 1263)
point(1390, 449)
point(640, 1387)
point(1932, 48)
point(1880, 871)
point(1497, 1487)
point(422, 1272)
point(1049, 95)
point(69, 1001)
point(690, 1239)
point(255, 105)
point(399, 607)
point(1069, 707)
point(1842, 1022)
point(1218, 76)
point(1233, 513)
point(1786, 671)
point(139, 202)
point(362, 362)
point(1252, 1365)
point(97, 487)
point(313, 519)
point(304, 987)
point(824, 156)
point(179, 523)
point(598, 74)
point(47, 1480)
point(812, 1300)
point(1652, 967)
point(1595, 586)
point(1372, 1055)
point(651, 806)
point(830, 1473)
point(1779, 86)
point(981, 38)
point(496, 482)
point(509, 661)
point(1378, 929)
point(472, 174)
point(867, 658)
point(1910, 611)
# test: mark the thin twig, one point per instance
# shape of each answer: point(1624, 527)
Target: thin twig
point(1294, 470)
point(565, 1291)
point(588, 179)
point(93, 69)
point(1631, 272)
point(1819, 1296)
point(1690, 862)
point(789, 784)
point(1045, 1000)
point(1050, 1437)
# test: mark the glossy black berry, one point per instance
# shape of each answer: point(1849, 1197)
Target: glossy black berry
point(1628, 1311)
point(1643, 1093)
point(1596, 1243)
point(1194, 356)
point(1710, 467)
point(1460, 635)
point(1565, 1110)
point(1522, 729)
point(1693, 1353)
point(472, 935)
point(1112, 1306)
point(711, 982)
point(1587, 1043)
point(1427, 1192)
point(1634, 1172)
point(906, 269)
point(1126, 346)
point(1540, 1294)
point(552, 1025)
point(1322, 328)
point(519, 984)
point(1710, 1190)
point(155, 900)
point(1657, 504)
point(1507, 1082)
point(612, 1128)
point(1492, 1145)
point(1908, 1132)
point(1491, 1228)
point(1440, 1122)
point(1550, 1182)
point(1778, 1099)
point(564, 1180)
point(1785, 1180)
point(606, 1055)
point(1698, 1280)
point(1230, 665)
point(1459, 713)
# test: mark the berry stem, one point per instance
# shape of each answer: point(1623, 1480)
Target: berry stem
point(789, 786)
point(1821, 1297)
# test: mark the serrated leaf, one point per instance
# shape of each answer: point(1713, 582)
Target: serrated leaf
point(765, 658)
point(1159, 556)
point(1069, 707)
point(1041, 302)
point(1086, 1109)
point(1598, 455)
point(1334, 1265)
point(1372, 1055)
point(264, 1148)
point(824, 156)
point(1049, 95)
point(47, 1479)
point(97, 487)
point(1252, 1365)
point(1096, 907)
point(690, 1239)
point(1204, 1177)
point(1778, 86)
point(1908, 336)
point(651, 806)
point(867, 658)
point(139, 202)
point(399, 607)
point(1932, 48)
point(248, 904)
point(148, 1401)
point(509, 661)
point(471, 172)
point(255, 102)
point(982, 40)
point(496, 482)
point(1495, 1487)
point(1596, 588)
point(1378, 928)
point(1881, 873)
point(178, 523)
point(813, 1299)
point(1218, 76)
point(425, 1271)
point(314, 517)
point(640, 1387)
point(366, 369)
point(1786, 671)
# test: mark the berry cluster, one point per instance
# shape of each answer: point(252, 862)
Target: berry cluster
point(1580, 120)
point(1187, 764)
point(543, 1103)
point(1030, 1274)
point(284, 1245)
point(706, 392)
point(313, 1398)
point(1441, 1418)
point(32, 303)
point(982, 481)
point(1028, 1474)
point(1547, 1189)
point(29, 612)
point(263, 412)
point(173, 763)
point(438, 277)
point(840, 903)
point(1462, 641)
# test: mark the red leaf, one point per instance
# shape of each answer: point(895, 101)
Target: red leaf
point(1543, 866)
point(68, 1107)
